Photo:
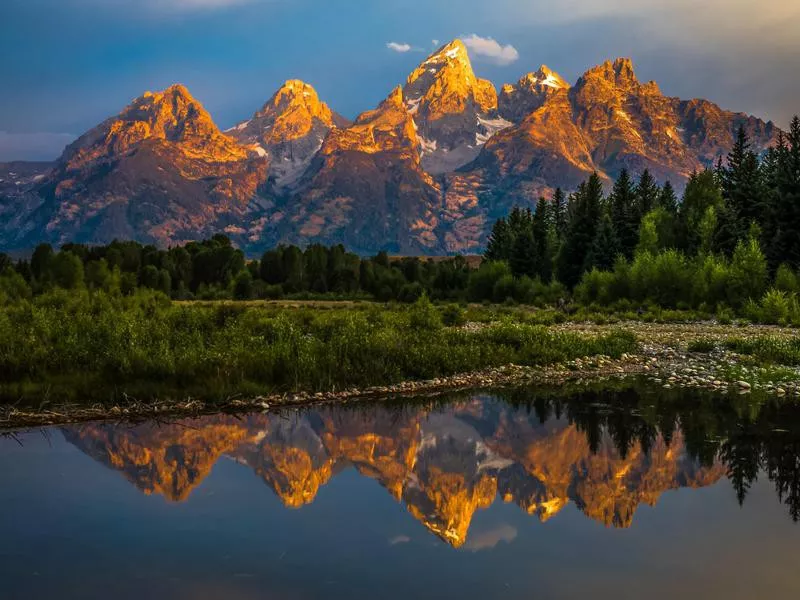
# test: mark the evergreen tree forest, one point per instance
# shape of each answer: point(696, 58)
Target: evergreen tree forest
point(732, 241)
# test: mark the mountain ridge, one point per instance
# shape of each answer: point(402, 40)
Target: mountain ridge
point(426, 172)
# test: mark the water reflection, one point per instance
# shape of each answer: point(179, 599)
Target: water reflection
point(607, 453)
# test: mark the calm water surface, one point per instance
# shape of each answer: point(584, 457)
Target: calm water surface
point(628, 494)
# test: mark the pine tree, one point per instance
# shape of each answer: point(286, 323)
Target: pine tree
point(624, 214)
point(575, 253)
point(702, 195)
point(647, 195)
point(667, 199)
point(559, 213)
point(605, 248)
point(501, 241)
point(786, 244)
point(523, 255)
point(542, 225)
point(743, 191)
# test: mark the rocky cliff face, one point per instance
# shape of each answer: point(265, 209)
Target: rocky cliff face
point(454, 111)
point(519, 100)
point(366, 188)
point(159, 172)
point(426, 172)
point(289, 129)
point(443, 466)
point(606, 122)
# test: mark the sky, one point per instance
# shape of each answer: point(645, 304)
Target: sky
point(69, 64)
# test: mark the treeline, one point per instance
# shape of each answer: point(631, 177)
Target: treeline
point(730, 245)
point(214, 269)
point(734, 235)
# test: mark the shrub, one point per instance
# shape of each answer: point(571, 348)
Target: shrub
point(482, 281)
point(786, 280)
point(453, 315)
point(775, 307)
point(423, 315)
point(411, 292)
point(703, 346)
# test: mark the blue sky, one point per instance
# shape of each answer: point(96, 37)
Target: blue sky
point(68, 64)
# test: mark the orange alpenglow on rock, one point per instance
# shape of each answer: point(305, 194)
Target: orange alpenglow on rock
point(440, 466)
point(454, 111)
point(290, 129)
point(532, 90)
point(427, 172)
point(172, 116)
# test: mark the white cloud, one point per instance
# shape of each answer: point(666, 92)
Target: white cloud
point(398, 47)
point(207, 3)
point(435, 42)
point(491, 49)
point(32, 146)
point(172, 6)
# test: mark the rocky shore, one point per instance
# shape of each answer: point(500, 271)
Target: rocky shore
point(663, 360)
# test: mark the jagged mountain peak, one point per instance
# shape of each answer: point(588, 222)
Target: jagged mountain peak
point(395, 100)
point(543, 77)
point(619, 73)
point(445, 83)
point(289, 129)
point(519, 100)
point(452, 54)
point(171, 115)
point(300, 96)
point(455, 112)
point(387, 127)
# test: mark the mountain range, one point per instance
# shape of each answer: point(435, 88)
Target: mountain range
point(426, 172)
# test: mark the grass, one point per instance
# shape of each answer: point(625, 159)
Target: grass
point(702, 346)
point(146, 338)
point(768, 349)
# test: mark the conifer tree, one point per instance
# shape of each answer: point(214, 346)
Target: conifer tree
point(786, 244)
point(743, 191)
point(575, 253)
point(605, 248)
point(667, 199)
point(560, 213)
point(542, 225)
point(501, 241)
point(702, 195)
point(624, 214)
point(523, 255)
point(647, 195)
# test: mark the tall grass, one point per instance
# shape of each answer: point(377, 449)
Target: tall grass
point(782, 351)
point(146, 337)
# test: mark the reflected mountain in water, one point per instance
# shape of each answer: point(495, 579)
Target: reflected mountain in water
point(606, 454)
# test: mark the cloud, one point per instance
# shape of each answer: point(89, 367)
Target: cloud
point(489, 48)
point(398, 47)
point(32, 146)
point(207, 3)
point(399, 539)
point(435, 42)
point(171, 6)
point(486, 540)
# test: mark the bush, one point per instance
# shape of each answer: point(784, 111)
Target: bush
point(482, 281)
point(775, 307)
point(423, 315)
point(411, 292)
point(453, 315)
point(703, 346)
point(786, 280)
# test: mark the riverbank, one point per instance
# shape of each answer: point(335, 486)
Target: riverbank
point(661, 357)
